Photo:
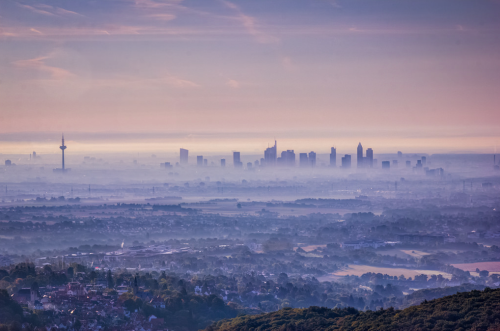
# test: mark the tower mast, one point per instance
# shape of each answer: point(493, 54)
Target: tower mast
point(62, 147)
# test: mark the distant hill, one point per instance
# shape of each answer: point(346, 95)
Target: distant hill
point(475, 310)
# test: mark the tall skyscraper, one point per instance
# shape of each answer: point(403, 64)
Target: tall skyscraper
point(303, 160)
point(333, 157)
point(236, 160)
point(287, 158)
point(270, 155)
point(312, 159)
point(223, 163)
point(184, 156)
point(360, 156)
point(346, 161)
point(63, 147)
point(369, 158)
point(199, 160)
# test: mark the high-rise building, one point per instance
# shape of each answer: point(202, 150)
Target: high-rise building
point(369, 158)
point(303, 160)
point(249, 165)
point(408, 164)
point(346, 161)
point(222, 163)
point(270, 155)
point(287, 158)
point(236, 160)
point(400, 154)
point(386, 164)
point(34, 155)
point(8, 163)
point(395, 163)
point(333, 157)
point(199, 160)
point(312, 159)
point(184, 156)
point(360, 156)
point(424, 160)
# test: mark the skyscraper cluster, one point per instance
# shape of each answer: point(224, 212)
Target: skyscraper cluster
point(287, 158)
point(364, 161)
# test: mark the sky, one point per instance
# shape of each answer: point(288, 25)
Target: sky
point(234, 75)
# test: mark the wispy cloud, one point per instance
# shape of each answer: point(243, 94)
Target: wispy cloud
point(233, 83)
point(163, 17)
point(66, 12)
point(177, 82)
point(38, 64)
point(36, 31)
point(250, 24)
point(36, 10)
point(123, 81)
point(117, 30)
point(47, 10)
point(155, 4)
point(334, 3)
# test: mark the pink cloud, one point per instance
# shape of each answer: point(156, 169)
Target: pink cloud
point(36, 10)
point(249, 23)
point(39, 65)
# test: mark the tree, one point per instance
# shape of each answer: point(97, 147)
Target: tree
point(92, 275)
point(111, 283)
point(78, 325)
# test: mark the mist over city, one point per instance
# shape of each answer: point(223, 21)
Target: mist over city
point(221, 165)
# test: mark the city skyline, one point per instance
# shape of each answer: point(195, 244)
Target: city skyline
point(287, 159)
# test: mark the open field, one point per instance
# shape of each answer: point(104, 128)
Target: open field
point(414, 253)
point(310, 248)
point(490, 266)
point(403, 253)
point(358, 270)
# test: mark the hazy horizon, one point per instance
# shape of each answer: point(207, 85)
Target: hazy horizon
point(210, 143)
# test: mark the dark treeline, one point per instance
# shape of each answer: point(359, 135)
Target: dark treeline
point(475, 310)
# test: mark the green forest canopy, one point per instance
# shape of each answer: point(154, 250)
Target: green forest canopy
point(475, 310)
